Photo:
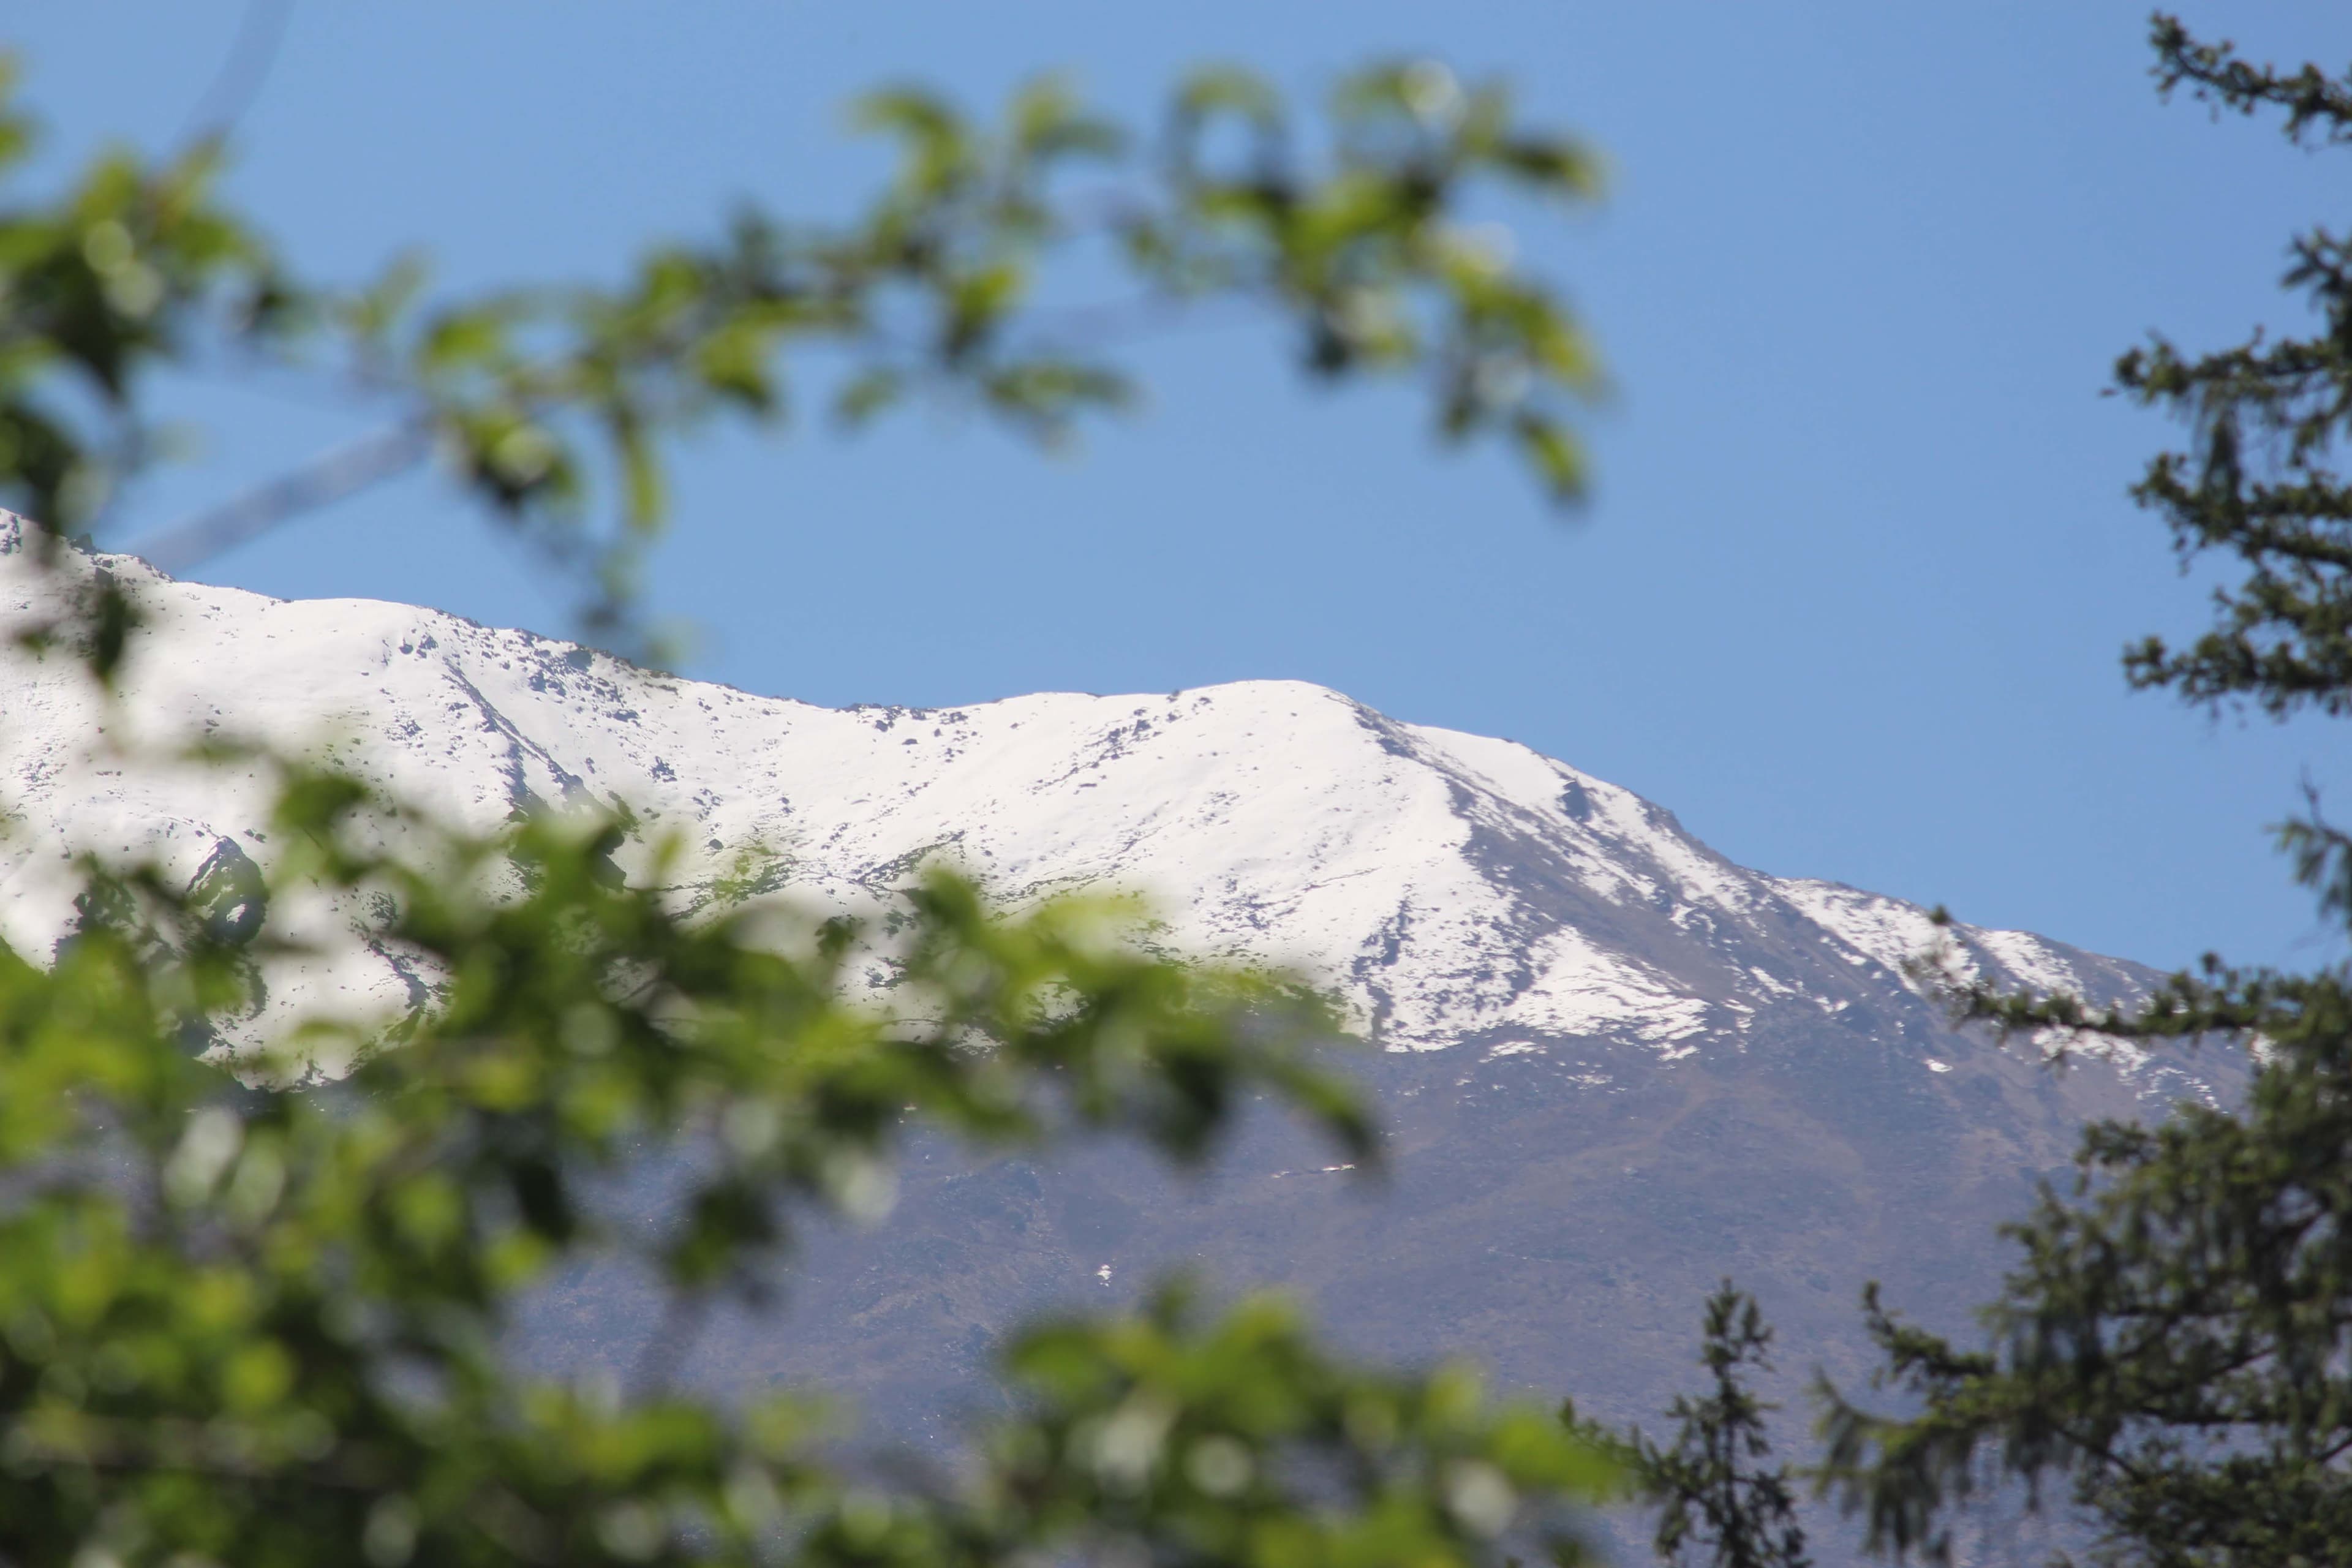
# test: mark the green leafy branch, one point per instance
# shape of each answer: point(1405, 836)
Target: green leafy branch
point(555, 406)
point(263, 1325)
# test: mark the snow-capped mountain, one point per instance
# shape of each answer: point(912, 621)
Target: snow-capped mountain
point(1455, 890)
point(1620, 1065)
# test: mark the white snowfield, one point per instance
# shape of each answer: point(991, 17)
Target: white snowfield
point(1452, 889)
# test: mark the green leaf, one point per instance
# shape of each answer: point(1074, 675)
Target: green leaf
point(1555, 454)
point(867, 394)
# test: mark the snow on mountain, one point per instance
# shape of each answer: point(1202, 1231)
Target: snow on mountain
point(1622, 1066)
point(1454, 888)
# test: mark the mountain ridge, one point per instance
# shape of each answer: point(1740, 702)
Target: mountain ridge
point(1452, 889)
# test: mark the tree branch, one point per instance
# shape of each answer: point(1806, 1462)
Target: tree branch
point(241, 75)
point(344, 472)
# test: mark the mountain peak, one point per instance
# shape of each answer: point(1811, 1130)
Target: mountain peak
point(1454, 889)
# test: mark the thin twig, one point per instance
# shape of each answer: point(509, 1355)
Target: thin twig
point(344, 472)
point(240, 78)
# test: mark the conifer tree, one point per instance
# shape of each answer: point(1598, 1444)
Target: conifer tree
point(2176, 1341)
point(1720, 1502)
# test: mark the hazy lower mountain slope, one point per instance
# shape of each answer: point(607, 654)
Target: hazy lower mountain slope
point(1620, 1065)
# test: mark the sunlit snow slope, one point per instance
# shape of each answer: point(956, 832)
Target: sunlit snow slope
point(1457, 890)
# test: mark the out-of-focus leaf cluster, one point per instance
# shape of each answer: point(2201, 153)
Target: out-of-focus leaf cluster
point(248, 1317)
point(557, 405)
point(1374, 257)
point(1179, 1436)
point(132, 266)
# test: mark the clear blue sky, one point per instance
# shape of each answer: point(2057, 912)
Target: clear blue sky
point(1849, 599)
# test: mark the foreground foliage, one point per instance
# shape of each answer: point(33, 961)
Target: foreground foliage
point(249, 1316)
point(973, 278)
point(256, 1325)
point(2176, 1337)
